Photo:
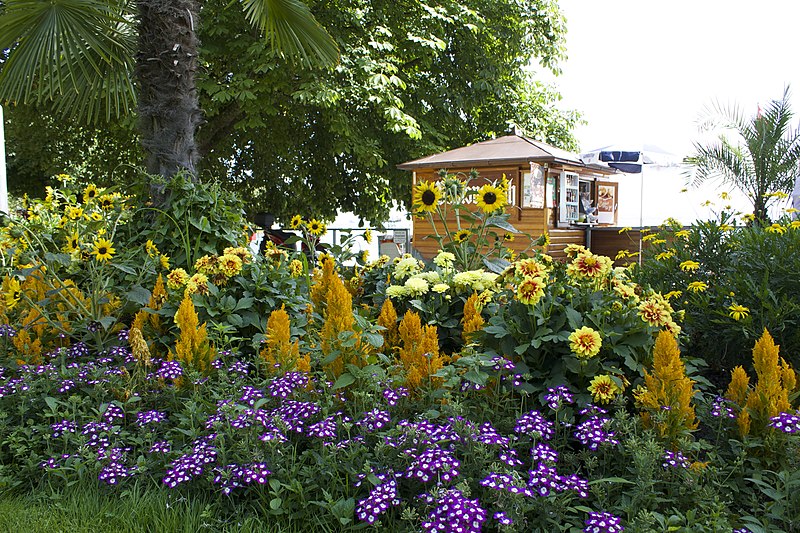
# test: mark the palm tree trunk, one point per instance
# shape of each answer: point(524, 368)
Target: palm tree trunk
point(166, 63)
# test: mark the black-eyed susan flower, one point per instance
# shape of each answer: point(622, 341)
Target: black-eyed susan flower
point(296, 222)
point(738, 312)
point(103, 250)
point(682, 234)
point(315, 227)
point(462, 236)
point(73, 213)
point(163, 260)
point(72, 243)
point(508, 236)
point(89, 193)
point(368, 236)
point(603, 389)
point(697, 286)
point(689, 265)
point(775, 228)
point(490, 198)
point(150, 248)
point(12, 292)
point(106, 201)
point(426, 197)
point(585, 342)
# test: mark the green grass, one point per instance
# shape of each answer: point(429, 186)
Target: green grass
point(88, 509)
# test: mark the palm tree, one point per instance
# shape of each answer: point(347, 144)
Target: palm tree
point(81, 57)
point(761, 160)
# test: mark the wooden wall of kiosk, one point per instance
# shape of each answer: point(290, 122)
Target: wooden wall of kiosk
point(528, 221)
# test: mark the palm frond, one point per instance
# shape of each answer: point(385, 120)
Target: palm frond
point(76, 55)
point(292, 29)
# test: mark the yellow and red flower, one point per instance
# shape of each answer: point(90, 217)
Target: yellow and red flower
point(585, 342)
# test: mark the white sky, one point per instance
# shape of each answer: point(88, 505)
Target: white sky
point(643, 71)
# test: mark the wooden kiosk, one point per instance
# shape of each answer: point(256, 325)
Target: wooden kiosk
point(549, 190)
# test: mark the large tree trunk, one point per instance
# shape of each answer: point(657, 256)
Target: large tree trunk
point(169, 111)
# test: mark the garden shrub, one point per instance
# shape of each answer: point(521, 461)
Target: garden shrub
point(731, 283)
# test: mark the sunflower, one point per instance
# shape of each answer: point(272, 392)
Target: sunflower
point(491, 198)
point(296, 222)
point(89, 193)
point(315, 227)
point(73, 213)
point(368, 236)
point(12, 292)
point(72, 243)
point(426, 197)
point(106, 201)
point(103, 249)
point(508, 236)
point(462, 236)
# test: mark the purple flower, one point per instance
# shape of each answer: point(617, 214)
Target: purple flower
point(786, 422)
point(65, 426)
point(161, 446)
point(7, 331)
point(190, 465)
point(150, 417)
point(510, 458)
point(502, 518)
point(170, 370)
point(536, 425)
point(722, 408)
point(454, 513)
point(602, 523)
point(284, 386)
point(374, 420)
point(433, 463)
point(381, 497)
point(392, 396)
point(237, 367)
point(593, 432)
point(544, 479)
point(507, 483)
point(544, 452)
point(557, 397)
point(235, 476)
point(250, 395)
point(487, 434)
point(675, 460)
point(113, 413)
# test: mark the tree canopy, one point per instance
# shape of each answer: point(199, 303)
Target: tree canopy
point(412, 79)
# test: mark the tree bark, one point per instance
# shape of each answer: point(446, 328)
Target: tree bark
point(166, 64)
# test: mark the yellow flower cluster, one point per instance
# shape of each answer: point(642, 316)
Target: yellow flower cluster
point(419, 352)
point(770, 396)
point(666, 399)
point(279, 352)
point(192, 348)
point(472, 320)
point(339, 319)
point(388, 320)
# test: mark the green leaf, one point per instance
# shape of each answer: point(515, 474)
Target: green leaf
point(138, 295)
point(344, 380)
point(51, 402)
point(275, 503)
point(63, 259)
point(496, 265)
point(234, 320)
point(244, 303)
point(574, 318)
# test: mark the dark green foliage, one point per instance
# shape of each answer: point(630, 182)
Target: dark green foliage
point(756, 267)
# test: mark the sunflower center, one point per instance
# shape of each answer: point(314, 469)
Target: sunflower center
point(102, 250)
point(428, 198)
point(489, 198)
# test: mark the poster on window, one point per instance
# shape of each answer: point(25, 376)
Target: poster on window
point(533, 187)
point(606, 202)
